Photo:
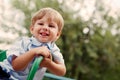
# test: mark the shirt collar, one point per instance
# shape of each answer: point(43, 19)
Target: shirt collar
point(36, 43)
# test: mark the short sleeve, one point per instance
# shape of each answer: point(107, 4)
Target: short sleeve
point(57, 56)
point(16, 49)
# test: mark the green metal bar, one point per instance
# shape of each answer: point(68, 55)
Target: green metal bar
point(34, 68)
point(2, 55)
point(52, 76)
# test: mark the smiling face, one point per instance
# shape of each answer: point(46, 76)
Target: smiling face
point(46, 25)
point(45, 29)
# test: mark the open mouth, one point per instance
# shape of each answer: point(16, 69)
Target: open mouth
point(44, 34)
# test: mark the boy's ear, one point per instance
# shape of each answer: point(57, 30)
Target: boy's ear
point(31, 29)
point(58, 35)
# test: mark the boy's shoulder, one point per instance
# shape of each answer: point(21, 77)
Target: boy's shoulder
point(23, 40)
point(54, 47)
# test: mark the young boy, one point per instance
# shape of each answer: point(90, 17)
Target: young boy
point(46, 28)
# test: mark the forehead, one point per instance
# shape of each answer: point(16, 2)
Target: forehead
point(48, 18)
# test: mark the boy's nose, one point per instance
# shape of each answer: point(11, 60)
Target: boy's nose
point(45, 28)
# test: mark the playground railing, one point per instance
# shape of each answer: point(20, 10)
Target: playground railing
point(47, 76)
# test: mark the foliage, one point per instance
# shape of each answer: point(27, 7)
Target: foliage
point(91, 56)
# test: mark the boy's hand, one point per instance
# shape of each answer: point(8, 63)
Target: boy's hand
point(44, 51)
point(46, 61)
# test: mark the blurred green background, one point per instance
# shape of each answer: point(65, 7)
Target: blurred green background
point(90, 41)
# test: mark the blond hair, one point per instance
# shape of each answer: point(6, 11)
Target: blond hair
point(51, 14)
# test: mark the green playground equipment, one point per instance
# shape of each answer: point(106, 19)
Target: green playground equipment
point(47, 76)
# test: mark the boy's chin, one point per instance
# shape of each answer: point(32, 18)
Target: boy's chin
point(44, 41)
